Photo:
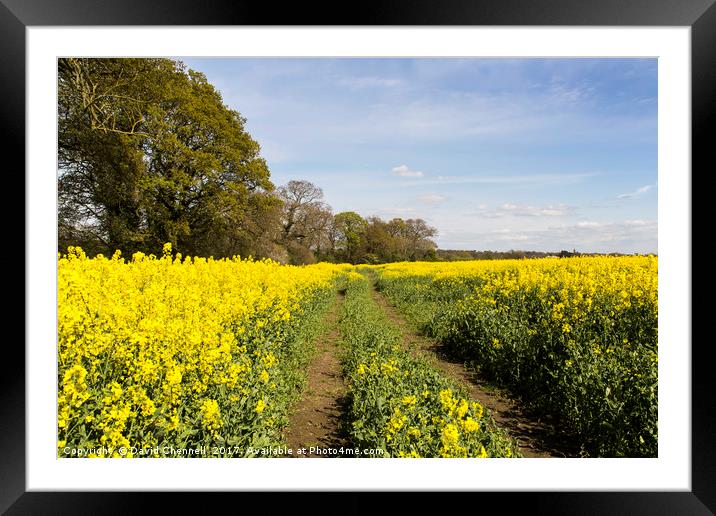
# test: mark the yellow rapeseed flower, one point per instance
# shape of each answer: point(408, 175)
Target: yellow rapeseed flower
point(139, 338)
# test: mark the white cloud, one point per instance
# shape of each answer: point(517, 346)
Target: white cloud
point(585, 236)
point(432, 198)
point(507, 235)
point(500, 179)
point(404, 171)
point(369, 82)
point(588, 224)
point(523, 210)
point(639, 191)
point(562, 93)
point(304, 118)
point(396, 212)
point(552, 212)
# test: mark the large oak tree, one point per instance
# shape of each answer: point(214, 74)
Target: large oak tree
point(149, 153)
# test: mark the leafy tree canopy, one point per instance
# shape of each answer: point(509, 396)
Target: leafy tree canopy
point(148, 153)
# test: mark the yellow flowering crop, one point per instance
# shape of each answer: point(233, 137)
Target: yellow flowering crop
point(574, 337)
point(401, 403)
point(157, 351)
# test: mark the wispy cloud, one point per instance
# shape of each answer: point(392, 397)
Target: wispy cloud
point(550, 210)
point(636, 222)
point(368, 82)
point(571, 94)
point(504, 140)
point(501, 179)
point(507, 235)
point(584, 236)
point(636, 193)
point(395, 212)
point(521, 210)
point(404, 171)
point(432, 199)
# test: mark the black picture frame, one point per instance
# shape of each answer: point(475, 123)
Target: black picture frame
point(16, 15)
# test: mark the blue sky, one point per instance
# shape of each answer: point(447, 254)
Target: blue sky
point(534, 154)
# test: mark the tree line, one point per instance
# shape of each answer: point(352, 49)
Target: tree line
point(451, 255)
point(310, 231)
point(148, 153)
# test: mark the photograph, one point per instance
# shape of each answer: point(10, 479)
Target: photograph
point(455, 239)
point(357, 257)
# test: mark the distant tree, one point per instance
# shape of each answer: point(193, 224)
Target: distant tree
point(298, 197)
point(350, 236)
point(451, 254)
point(380, 245)
point(305, 222)
point(334, 236)
point(431, 255)
point(419, 236)
point(371, 258)
point(566, 254)
point(148, 153)
point(398, 229)
point(322, 241)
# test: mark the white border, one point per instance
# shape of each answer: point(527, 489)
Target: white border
point(671, 471)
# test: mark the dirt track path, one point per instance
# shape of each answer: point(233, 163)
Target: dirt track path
point(317, 418)
point(536, 438)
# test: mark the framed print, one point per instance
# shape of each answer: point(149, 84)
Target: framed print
point(372, 169)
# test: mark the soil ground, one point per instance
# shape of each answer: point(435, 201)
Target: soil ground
point(317, 419)
point(536, 437)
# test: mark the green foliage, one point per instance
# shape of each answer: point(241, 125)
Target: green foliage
point(373, 240)
point(306, 222)
point(401, 404)
point(148, 154)
point(599, 380)
point(350, 232)
point(293, 344)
